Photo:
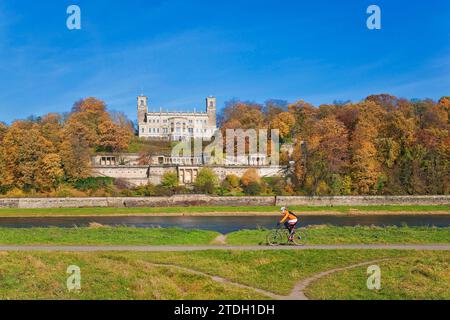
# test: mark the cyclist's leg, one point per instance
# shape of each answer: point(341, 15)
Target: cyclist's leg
point(292, 229)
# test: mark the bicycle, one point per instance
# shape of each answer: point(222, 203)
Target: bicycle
point(281, 236)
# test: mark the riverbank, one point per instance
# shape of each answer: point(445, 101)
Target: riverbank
point(322, 235)
point(225, 211)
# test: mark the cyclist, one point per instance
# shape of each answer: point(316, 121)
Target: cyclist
point(289, 220)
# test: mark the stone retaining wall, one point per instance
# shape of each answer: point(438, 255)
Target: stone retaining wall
point(363, 200)
point(204, 200)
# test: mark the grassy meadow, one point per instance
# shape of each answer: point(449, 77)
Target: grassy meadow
point(119, 275)
point(101, 235)
point(422, 276)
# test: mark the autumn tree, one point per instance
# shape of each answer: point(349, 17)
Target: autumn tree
point(250, 176)
point(365, 165)
point(284, 122)
point(243, 116)
point(113, 138)
point(3, 130)
point(23, 151)
point(51, 171)
point(93, 124)
point(327, 153)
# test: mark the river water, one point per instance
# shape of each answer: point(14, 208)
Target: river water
point(228, 224)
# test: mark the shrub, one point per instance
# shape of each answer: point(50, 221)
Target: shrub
point(233, 180)
point(251, 175)
point(170, 181)
point(207, 181)
point(147, 190)
point(126, 193)
point(322, 189)
point(253, 189)
point(16, 193)
point(93, 183)
point(162, 191)
point(275, 184)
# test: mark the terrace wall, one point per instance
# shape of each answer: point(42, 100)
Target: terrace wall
point(204, 200)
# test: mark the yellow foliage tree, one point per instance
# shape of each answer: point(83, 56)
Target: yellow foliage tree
point(366, 167)
point(22, 150)
point(284, 122)
point(251, 175)
point(51, 171)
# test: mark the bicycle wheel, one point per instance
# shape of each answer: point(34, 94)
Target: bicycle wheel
point(299, 238)
point(274, 238)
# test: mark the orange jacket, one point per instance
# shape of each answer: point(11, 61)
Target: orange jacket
point(288, 216)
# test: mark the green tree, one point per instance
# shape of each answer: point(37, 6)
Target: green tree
point(253, 188)
point(207, 181)
point(170, 181)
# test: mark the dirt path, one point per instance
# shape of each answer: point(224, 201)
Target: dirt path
point(220, 240)
point(298, 293)
point(217, 247)
point(218, 279)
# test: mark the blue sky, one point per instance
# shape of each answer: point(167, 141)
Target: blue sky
point(180, 51)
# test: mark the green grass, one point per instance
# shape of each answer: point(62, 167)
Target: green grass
point(140, 236)
point(353, 235)
point(423, 276)
point(7, 212)
point(133, 275)
point(118, 277)
point(275, 271)
point(105, 236)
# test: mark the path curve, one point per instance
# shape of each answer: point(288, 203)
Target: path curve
point(99, 248)
point(217, 279)
point(298, 293)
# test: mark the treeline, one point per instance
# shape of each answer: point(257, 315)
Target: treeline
point(382, 145)
point(42, 153)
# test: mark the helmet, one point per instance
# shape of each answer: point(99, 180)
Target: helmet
point(283, 209)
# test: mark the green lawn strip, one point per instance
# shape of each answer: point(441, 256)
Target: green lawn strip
point(7, 212)
point(353, 235)
point(105, 236)
point(35, 275)
point(423, 276)
point(275, 271)
point(164, 237)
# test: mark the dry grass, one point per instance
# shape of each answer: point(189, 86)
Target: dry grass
point(423, 276)
point(43, 276)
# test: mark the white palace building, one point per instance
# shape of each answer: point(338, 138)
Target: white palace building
point(177, 126)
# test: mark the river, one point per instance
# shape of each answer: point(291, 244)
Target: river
point(227, 224)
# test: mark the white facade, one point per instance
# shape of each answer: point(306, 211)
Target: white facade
point(177, 126)
point(128, 168)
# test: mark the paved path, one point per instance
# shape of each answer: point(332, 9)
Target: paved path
point(202, 248)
